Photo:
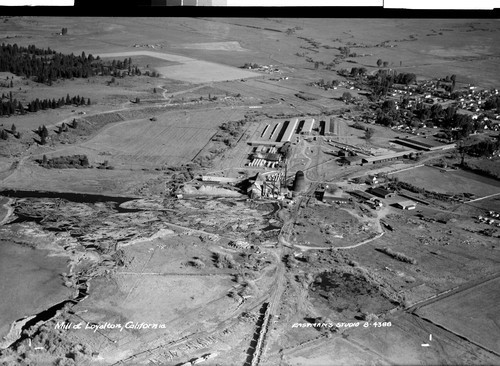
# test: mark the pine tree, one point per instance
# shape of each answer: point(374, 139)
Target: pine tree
point(4, 135)
point(13, 128)
point(44, 132)
point(44, 160)
point(88, 101)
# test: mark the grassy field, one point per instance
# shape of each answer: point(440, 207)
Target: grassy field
point(188, 69)
point(473, 314)
point(454, 182)
point(174, 138)
point(432, 47)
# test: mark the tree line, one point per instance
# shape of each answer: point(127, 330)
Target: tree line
point(65, 162)
point(46, 65)
point(13, 106)
point(460, 125)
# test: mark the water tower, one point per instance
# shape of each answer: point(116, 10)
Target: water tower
point(299, 184)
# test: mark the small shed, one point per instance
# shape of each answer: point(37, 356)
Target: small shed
point(406, 205)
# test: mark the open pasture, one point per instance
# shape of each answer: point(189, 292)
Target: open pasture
point(189, 69)
point(454, 182)
point(473, 313)
point(174, 138)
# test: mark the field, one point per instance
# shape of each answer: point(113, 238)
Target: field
point(174, 138)
point(450, 182)
point(157, 287)
point(188, 69)
point(212, 269)
point(473, 314)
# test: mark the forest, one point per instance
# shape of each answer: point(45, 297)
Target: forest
point(47, 65)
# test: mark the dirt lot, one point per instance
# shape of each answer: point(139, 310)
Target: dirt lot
point(322, 225)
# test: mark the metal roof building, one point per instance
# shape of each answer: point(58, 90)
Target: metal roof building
point(290, 129)
point(406, 205)
point(363, 195)
point(381, 192)
point(210, 178)
point(387, 157)
point(308, 126)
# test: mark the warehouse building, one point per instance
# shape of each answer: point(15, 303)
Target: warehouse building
point(363, 195)
point(387, 157)
point(290, 129)
point(334, 196)
point(423, 144)
point(381, 192)
point(308, 126)
point(332, 127)
point(406, 205)
point(209, 178)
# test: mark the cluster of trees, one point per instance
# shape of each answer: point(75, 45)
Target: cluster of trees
point(249, 65)
point(36, 105)
point(65, 162)
point(459, 125)
point(485, 147)
point(358, 71)
point(355, 71)
point(493, 103)
point(369, 131)
point(451, 80)
point(406, 78)
point(325, 84)
point(43, 132)
point(381, 63)
point(12, 106)
point(229, 131)
point(345, 51)
point(46, 66)
point(381, 82)
point(4, 134)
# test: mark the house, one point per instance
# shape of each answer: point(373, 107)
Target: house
point(381, 192)
point(406, 205)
